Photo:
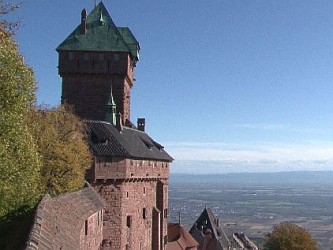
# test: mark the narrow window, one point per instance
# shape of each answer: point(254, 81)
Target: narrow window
point(116, 57)
point(70, 56)
point(127, 194)
point(144, 190)
point(144, 213)
point(165, 213)
point(108, 161)
point(86, 56)
point(129, 221)
point(86, 227)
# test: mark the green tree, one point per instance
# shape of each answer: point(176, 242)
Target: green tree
point(20, 182)
point(40, 151)
point(288, 236)
point(20, 162)
point(61, 140)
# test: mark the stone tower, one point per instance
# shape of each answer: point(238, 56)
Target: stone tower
point(94, 57)
point(130, 170)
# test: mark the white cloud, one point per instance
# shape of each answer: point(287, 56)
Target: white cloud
point(253, 157)
point(281, 128)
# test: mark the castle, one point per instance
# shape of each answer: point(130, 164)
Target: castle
point(125, 202)
point(130, 170)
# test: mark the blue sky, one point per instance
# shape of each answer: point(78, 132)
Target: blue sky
point(225, 85)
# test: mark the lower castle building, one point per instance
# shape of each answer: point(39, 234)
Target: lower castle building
point(130, 171)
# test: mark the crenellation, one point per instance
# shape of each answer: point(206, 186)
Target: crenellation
point(94, 63)
point(121, 168)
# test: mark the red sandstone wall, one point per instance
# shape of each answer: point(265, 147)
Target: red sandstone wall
point(133, 188)
point(112, 193)
point(91, 234)
point(121, 168)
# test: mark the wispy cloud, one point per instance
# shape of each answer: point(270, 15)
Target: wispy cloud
point(255, 157)
point(279, 128)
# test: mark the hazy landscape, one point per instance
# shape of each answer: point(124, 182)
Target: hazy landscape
point(254, 202)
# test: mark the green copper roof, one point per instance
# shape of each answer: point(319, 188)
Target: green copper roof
point(130, 40)
point(101, 35)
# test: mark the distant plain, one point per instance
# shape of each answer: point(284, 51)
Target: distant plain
point(254, 202)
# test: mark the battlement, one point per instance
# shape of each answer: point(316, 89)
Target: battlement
point(105, 168)
point(94, 62)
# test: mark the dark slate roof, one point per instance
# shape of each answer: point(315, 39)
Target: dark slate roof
point(106, 140)
point(207, 221)
point(58, 220)
point(101, 35)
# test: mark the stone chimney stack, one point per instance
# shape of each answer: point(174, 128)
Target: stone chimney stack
point(141, 124)
point(84, 21)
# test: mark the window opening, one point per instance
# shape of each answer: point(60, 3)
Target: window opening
point(129, 221)
point(86, 227)
point(144, 213)
point(70, 56)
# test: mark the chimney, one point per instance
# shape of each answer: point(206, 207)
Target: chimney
point(83, 21)
point(119, 122)
point(141, 124)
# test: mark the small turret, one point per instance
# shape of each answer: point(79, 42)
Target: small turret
point(110, 114)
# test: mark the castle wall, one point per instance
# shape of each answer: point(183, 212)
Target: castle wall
point(112, 193)
point(120, 168)
point(69, 221)
point(133, 191)
point(91, 234)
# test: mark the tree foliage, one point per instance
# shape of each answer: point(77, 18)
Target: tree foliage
point(40, 150)
point(20, 162)
point(60, 136)
point(288, 236)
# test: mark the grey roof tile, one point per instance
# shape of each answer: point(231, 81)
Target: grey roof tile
point(106, 140)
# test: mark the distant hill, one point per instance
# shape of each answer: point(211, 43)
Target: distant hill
point(297, 177)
